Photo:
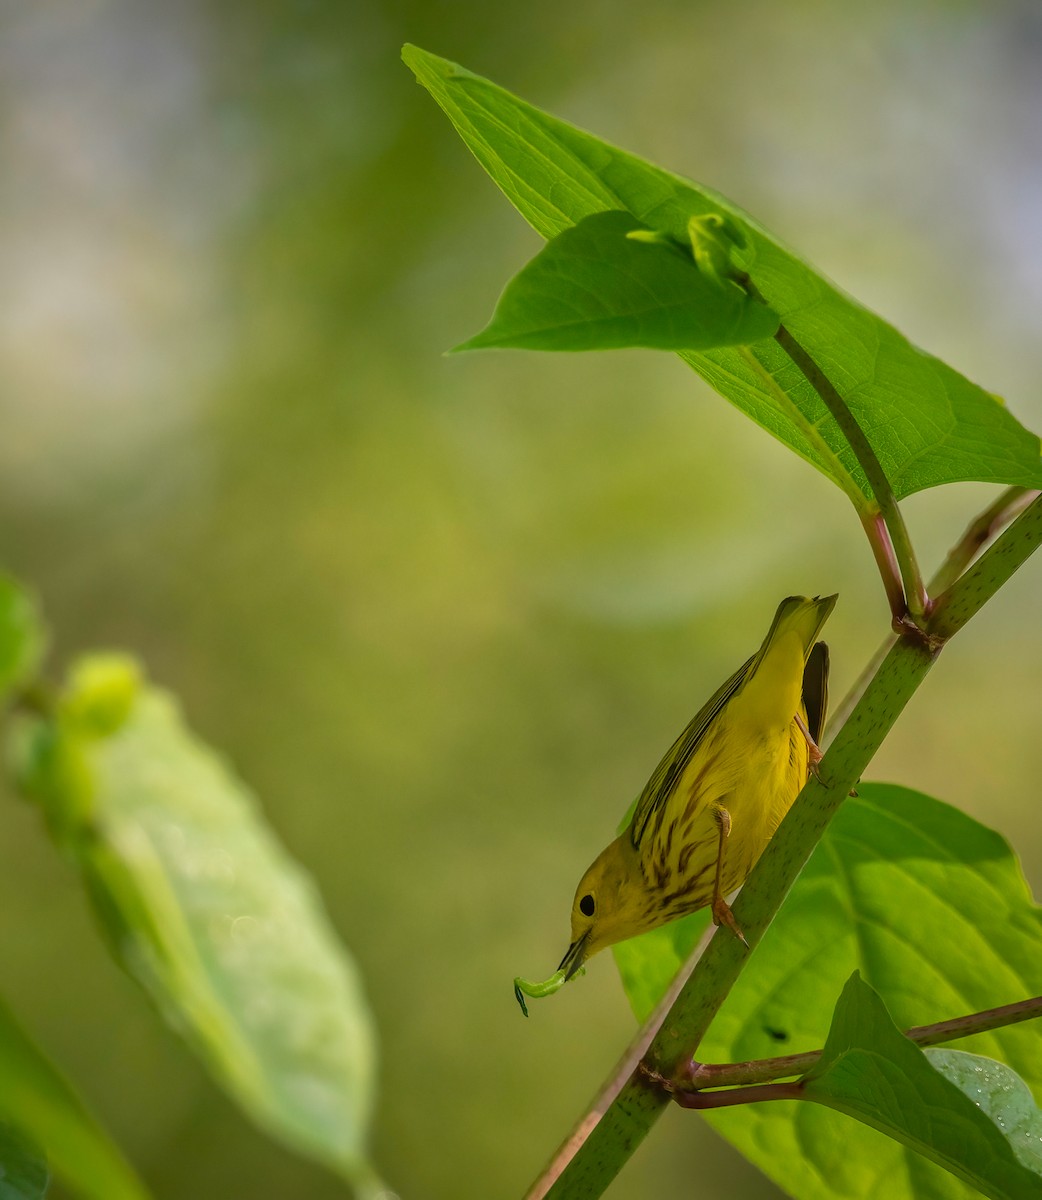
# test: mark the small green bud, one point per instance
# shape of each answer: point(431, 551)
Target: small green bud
point(101, 692)
point(717, 243)
point(653, 237)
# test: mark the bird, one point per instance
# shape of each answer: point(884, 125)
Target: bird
point(715, 799)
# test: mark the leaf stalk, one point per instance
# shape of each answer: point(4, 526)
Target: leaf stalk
point(736, 1076)
point(914, 601)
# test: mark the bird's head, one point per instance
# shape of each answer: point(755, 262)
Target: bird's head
point(610, 904)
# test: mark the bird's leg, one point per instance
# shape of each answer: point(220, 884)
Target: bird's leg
point(721, 910)
point(814, 752)
point(814, 755)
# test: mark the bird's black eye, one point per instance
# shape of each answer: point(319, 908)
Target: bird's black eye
point(586, 906)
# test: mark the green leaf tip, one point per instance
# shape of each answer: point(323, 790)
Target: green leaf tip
point(717, 241)
point(429, 67)
point(655, 237)
point(101, 691)
point(651, 236)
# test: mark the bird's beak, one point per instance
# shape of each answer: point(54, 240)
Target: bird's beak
point(574, 956)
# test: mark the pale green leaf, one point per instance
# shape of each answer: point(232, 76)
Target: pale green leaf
point(208, 911)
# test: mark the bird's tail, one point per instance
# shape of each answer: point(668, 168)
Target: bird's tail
point(773, 687)
point(801, 615)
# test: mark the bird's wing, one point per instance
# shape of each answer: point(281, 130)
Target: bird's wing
point(669, 771)
point(816, 689)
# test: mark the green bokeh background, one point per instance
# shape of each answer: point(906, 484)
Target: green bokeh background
point(445, 614)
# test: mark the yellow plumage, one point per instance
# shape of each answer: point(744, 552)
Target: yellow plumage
point(714, 800)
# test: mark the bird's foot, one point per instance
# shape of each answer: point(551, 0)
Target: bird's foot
point(722, 915)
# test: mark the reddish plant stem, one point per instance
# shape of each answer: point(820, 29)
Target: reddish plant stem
point(699, 1076)
point(915, 602)
point(886, 562)
point(740, 1095)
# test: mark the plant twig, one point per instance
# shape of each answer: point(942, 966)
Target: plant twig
point(886, 562)
point(698, 1076)
point(753, 1094)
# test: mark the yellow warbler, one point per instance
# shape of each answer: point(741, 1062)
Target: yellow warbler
point(714, 800)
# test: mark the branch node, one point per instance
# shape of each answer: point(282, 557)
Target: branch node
point(909, 631)
point(647, 1074)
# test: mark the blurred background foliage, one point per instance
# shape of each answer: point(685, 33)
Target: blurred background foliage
point(445, 614)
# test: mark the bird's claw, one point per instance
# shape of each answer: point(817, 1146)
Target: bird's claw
point(722, 915)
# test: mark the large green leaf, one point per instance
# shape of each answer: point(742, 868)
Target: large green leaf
point(23, 1171)
point(205, 908)
point(23, 639)
point(927, 424)
point(594, 287)
point(37, 1102)
point(932, 908)
point(872, 1072)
